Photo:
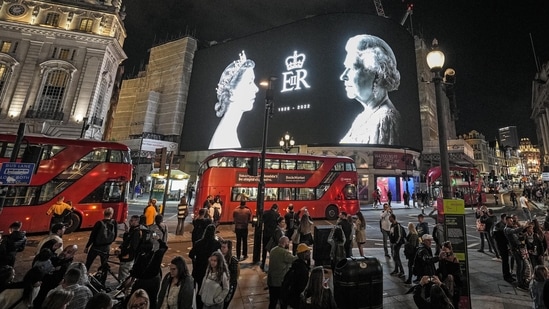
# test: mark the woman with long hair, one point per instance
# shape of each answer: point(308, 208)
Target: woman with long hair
point(232, 265)
point(58, 299)
point(541, 274)
point(410, 249)
point(215, 285)
point(360, 232)
point(317, 294)
point(177, 287)
point(306, 228)
point(199, 254)
point(19, 295)
point(139, 300)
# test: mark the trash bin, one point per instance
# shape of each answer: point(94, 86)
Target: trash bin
point(358, 283)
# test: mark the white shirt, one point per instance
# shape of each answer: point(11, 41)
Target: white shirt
point(523, 202)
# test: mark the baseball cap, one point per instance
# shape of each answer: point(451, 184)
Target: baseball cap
point(302, 248)
point(427, 237)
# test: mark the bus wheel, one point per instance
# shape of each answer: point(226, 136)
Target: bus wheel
point(73, 224)
point(332, 212)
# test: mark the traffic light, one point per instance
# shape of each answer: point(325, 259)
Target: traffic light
point(252, 167)
point(160, 159)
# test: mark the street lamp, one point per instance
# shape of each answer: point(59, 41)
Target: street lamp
point(269, 107)
point(286, 142)
point(435, 61)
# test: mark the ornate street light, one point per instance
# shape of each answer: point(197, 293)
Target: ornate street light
point(435, 61)
point(286, 142)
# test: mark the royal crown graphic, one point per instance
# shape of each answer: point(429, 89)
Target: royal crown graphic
point(295, 61)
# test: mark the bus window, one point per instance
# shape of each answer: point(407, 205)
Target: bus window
point(53, 188)
point(339, 166)
point(272, 164)
point(307, 165)
point(271, 194)
point(116, 156)
point(110, 191)
point(350, 167)
point(287, 164)
point(244, 194)
point(287, 194)
point(320, 190)
point(241, 162)
point(305, 194)
point(18, 195)
point(97, 155)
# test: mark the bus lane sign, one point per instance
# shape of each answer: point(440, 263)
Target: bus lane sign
point(14, 173)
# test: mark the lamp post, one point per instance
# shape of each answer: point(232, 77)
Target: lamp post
point(286, 142)
point(269, 105)
point(435, 61)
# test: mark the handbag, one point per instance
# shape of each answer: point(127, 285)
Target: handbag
point(480, 226)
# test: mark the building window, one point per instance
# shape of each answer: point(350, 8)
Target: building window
point(64, 54)
point(5, 47)
point(5, 72)
point(51, 95)
point(52, 19)
point(86, 24)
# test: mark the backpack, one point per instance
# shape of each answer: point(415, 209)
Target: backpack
point(403, 235)
point(107, 233)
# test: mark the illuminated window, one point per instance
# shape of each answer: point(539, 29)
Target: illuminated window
point(64, 54)
point(5, 47)
point(5, 73)
point(86, 24)
point(52, 19)
point(52, 93)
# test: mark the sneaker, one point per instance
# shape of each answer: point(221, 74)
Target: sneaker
point(522, 288)
point(394, 273)
point(408, 281)
point(509, 279)
point(401, 275)
point(480, 250)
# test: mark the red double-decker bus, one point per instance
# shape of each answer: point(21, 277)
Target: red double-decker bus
point(325, 185)
point(92, 175)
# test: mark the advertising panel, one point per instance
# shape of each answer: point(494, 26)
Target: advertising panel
point(341, 79)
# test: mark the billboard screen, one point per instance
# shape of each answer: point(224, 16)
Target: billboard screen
point(341, 79)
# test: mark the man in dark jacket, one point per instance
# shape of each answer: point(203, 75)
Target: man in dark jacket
point(12, 243)
point(128, 249)
point(242, 217)
point(270, 222)
point(292, 288)
point(99, 238)
point(347, 229)
point(501, 243)
point(424, 261)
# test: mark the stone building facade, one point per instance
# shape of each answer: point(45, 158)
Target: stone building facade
point(58, 65)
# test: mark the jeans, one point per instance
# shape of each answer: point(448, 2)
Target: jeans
point(520, 267)
point(504, 254)
point(124, 270)
point(241, 242)
point(396, 258)
point(527, 214)
point(101, 251)
point(274, 296)
point(385, 240)
point(180, 226)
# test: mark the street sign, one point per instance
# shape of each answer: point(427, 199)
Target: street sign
point(13, 173)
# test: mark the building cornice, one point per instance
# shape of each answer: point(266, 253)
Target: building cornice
point(63, 34)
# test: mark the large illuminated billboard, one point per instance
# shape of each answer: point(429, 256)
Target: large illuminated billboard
point(341, 79)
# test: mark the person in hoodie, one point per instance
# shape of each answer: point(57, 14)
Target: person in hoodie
point(12, 243)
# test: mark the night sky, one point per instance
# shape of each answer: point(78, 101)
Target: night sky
point(490, 43)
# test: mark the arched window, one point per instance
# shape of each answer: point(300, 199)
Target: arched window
point(5, 73)
point(50, 103)
point(86, 24)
